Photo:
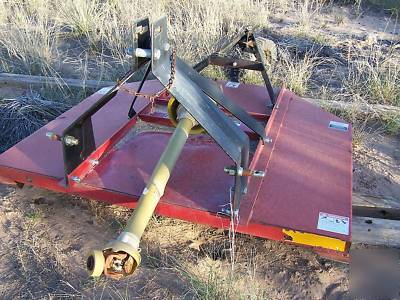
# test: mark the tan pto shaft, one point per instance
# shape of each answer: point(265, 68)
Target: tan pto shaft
point(121, 257)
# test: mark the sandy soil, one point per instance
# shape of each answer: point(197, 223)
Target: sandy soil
point(45, 238)
point(377, 167)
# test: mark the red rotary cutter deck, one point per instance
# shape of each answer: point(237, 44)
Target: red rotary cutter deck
point(308, 165)
point(304, 197)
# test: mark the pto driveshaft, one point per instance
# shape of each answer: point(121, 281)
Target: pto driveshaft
point(121, 257)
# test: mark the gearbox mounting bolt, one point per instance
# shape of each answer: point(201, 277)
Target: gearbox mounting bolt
point(70, 140)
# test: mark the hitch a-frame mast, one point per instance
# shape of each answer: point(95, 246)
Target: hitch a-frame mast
point(196, 101)
point(197, 94)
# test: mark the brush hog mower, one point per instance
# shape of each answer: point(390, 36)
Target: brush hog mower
point(205, 151)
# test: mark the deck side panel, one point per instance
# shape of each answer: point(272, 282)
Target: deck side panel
point(309, 171)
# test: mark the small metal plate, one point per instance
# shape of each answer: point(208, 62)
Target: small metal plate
point(339, 125)
point(232, 85)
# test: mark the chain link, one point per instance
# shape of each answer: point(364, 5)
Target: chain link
point(171, 79)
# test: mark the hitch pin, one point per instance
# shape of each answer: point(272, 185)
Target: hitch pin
point(146, 53)
point(243, 172)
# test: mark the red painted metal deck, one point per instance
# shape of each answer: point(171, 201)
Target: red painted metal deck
point(308, 165)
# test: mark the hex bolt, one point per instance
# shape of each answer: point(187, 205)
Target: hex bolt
point(243, 172)
point(157, 54)
point(167, 46)
point(70, 140)
point(94, 162)
point(267, 140)
point(258, 173)
point(226, 211)
point(240, 171)
point(230, 171)
point(76, 179)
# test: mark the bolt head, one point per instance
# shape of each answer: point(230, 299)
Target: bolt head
point(76, 179)
point(94, 162)
point(259, 174)
point(167, 46)
point(267, 140)
point(70, 140)
point(226, 211)
point(157, 54)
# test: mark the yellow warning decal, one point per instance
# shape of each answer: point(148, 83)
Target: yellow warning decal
point(315, 240)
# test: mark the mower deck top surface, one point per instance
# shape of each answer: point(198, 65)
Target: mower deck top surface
point(308, 164)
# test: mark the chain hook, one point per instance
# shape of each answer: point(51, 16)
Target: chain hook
point(153, 96)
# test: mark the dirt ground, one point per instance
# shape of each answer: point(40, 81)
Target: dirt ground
point(377, 167)
point(45, 237)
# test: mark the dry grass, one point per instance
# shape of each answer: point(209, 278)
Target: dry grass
point(212, 280)
point(375, 77)
point(22, 115)
point(307, 10)
point(295, 73)
point(35, 35)
point(29, 41)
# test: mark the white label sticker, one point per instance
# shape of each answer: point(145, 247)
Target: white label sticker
point(233, 85)
point(333, 223)
point(104, 90)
